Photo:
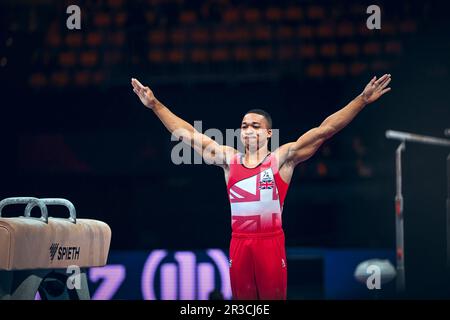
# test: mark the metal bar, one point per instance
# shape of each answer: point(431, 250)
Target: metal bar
point(406, 136)
point(55, 201)
point(30, 202)
point(399, 232)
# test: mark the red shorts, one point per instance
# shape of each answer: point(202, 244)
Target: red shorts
point(258, 266)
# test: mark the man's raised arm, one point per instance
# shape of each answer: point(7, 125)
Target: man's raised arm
point(308, 143)
point(211, 151)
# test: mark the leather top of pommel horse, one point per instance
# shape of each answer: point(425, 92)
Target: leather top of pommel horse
point(48, 243)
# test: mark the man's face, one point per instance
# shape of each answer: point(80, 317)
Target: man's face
point(254, 131)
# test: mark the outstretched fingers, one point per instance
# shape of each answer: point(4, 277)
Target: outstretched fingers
point(137, 85)
point(135, 81)
point(382, 79)
point(385, 90)
point(385, 83)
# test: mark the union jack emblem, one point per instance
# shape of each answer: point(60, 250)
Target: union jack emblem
point(266, 182)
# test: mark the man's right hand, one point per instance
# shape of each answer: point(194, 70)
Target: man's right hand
point(144, 93)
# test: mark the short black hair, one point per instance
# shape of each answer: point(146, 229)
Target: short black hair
point(263, 113)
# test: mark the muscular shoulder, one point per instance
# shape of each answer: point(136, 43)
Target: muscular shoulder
point(226, 155)
point(229, 153)
point(281, 155)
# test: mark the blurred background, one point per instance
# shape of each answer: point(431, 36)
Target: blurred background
point(72, 127)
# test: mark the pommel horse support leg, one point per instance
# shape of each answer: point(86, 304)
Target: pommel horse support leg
point(49, 255)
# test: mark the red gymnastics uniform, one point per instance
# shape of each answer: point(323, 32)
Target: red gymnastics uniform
point(258, 266)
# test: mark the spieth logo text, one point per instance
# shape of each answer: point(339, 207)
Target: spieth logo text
point(64, 252)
